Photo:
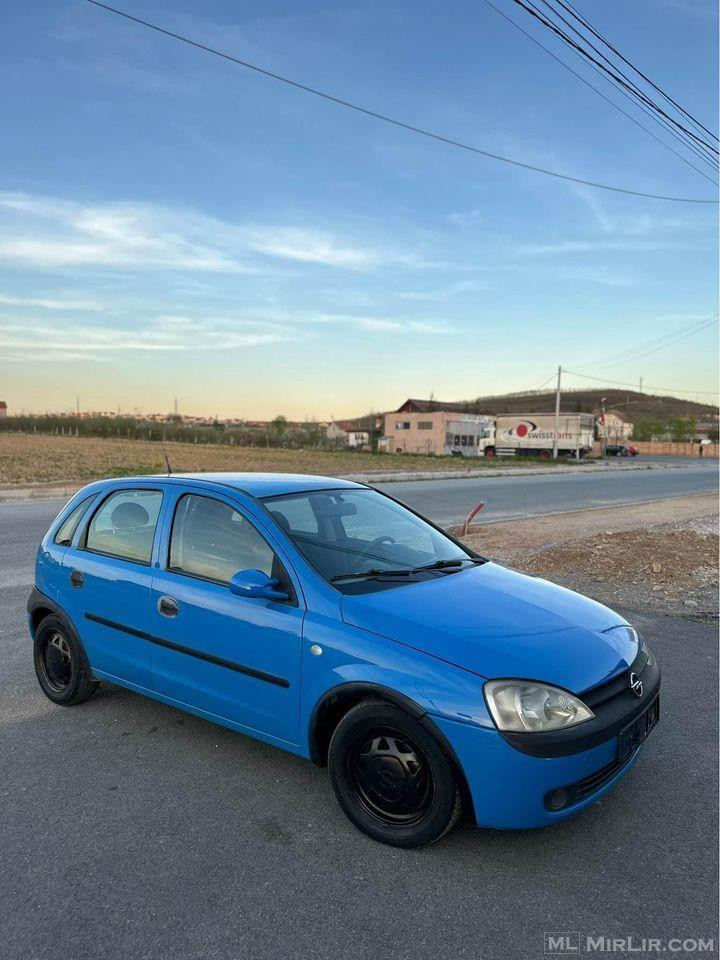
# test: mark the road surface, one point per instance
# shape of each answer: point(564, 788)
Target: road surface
point(448, 502)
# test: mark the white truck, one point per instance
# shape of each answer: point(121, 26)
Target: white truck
point(533, 435)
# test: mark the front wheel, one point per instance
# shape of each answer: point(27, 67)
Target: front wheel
point(391, 777)
point(60, 663)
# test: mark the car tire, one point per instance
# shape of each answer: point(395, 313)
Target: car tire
point(61, 664)
point(391, 777)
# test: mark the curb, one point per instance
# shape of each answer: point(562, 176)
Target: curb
point(63, 491)
point(393, 476)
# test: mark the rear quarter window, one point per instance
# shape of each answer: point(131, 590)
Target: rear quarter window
point(66, 530)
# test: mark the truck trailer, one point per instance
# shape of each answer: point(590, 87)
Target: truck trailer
point(533, 435)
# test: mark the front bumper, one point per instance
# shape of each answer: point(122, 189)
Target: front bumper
point(508, 788)
point(513, 778)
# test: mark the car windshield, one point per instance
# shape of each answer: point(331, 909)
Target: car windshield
point(348, 533)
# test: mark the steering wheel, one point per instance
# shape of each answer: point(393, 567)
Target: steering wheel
point(378, 541)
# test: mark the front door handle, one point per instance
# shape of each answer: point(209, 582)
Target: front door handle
point(168, 607)
point(77, 579)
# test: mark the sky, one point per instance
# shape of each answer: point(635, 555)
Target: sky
point(172, 225)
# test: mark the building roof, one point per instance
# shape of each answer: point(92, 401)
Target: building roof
point(349, 426)
point(413, 405)
point(618, 414)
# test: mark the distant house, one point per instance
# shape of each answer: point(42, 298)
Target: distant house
point(706, 431)
point(617, 427)
point(434, 427)
point(347, 433)
point(3, 408)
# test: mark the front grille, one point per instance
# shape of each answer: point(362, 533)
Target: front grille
point(584, 788)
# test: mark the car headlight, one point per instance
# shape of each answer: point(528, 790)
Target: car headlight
point(522, 706)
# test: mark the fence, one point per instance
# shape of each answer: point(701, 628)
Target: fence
point(657, 448)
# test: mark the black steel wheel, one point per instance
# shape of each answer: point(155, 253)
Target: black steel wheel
point(391, 777)
point(61, 665)
point(57, 662)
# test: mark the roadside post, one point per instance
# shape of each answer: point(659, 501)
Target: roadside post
point(475, 510)
point(557, 415)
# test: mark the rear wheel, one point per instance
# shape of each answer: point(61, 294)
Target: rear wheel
point(60, 663)
point(391, 777)
point(544, 455)
point(489, 451)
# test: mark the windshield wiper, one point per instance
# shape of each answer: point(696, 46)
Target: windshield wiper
point(442, 564)
point(438, 565)
point(370, 574)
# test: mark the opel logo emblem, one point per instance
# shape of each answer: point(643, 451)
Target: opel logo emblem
point(636, 685)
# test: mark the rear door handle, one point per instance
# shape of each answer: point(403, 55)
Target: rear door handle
point(77, 579)
point(168, 607)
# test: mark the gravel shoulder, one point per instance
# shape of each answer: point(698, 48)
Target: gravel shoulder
point(659, 557)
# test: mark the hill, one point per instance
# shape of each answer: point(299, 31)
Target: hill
point(636, 406)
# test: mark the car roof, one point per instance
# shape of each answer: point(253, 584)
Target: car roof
point(267, 484)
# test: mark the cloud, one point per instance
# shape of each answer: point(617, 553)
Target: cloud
point(464, 218)
point(46, 232)
point(48, 303)
point(631, 225)
point(382, 324)
point(445, 293)
point(19, 337)
point(563, 247)
point(604, 276)
point(306, 246)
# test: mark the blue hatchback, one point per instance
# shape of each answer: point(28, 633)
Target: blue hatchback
point(326, 618)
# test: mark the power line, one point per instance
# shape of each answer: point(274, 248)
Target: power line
point(622, 383)
point(633, 86)
point(607, 99)
point(619, 79)
point(637, 96)
point(628, 90)
point(536, 389)
point(391, 120)
point(652, 346)
point(578, 16)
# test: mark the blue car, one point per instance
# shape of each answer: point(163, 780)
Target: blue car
point(326, 618)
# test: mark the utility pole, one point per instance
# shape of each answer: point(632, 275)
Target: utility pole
point(77, 406)
point(640, 390)
point(557, 415)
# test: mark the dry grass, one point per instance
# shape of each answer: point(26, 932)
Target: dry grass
point(27, 459)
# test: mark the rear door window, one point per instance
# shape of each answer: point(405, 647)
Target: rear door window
point(124, 525)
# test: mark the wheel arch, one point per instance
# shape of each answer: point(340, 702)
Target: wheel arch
point(39, 606)
point(336, 702)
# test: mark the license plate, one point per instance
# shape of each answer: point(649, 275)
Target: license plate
point(633, 735)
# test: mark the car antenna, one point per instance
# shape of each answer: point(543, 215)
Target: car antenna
point(167, 459)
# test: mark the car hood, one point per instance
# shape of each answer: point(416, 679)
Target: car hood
point(499, 623)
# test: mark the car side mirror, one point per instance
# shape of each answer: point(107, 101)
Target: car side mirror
point(256, 584)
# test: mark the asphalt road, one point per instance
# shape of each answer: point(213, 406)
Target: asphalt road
point(448, 502)
point(130, 829)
